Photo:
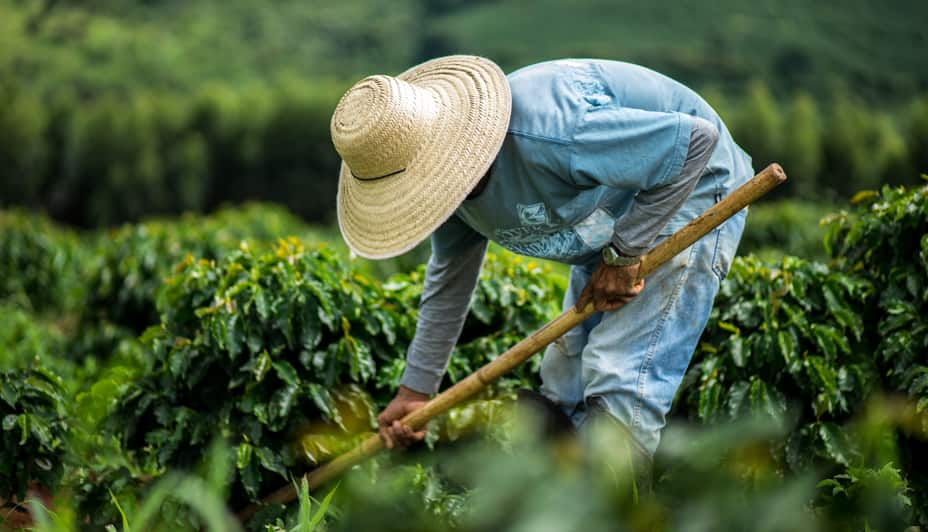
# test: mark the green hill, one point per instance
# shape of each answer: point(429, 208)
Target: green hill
point(878, 50)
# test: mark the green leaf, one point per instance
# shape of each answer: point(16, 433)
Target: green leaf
point(286, 372)
point(830, 340)
point(8, 393)
point(271, 461)
point(838, 444)
point(739, 352)
point(825, 379)
point(365, 362)
point(305, 506)
point(323, 509)
point(282, 401)
point(323, 401)
point(262, 305)
point(310, 332)
point(710, 394)
point(24, 425)
point(787, 345)
point(262, 365)
point(737, 398)
point(251, 479)
point(243, 455)
point(766, 400)
point(122, 513)
point(234, 337)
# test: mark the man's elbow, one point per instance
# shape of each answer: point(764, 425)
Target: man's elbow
point(703, 138)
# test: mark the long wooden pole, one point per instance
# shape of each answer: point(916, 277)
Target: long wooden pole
point(740, 198)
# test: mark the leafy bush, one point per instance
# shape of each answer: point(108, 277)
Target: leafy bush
point(709, 478)
point(39, 262)
point(32, 434)
point(787, 342)
point(287, 353)
point(887, 241)
point(809, 343)
point(256, 348)
point(513, 298)
point(131, 262)
point(25, 341)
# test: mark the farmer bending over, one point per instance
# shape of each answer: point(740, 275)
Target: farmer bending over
point(587, 162)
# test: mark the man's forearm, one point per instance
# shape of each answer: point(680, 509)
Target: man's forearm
point(443, 308)
point(638, 228)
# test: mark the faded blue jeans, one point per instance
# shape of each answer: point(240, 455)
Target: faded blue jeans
point(634, 359)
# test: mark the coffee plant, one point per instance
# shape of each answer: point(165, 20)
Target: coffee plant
point(131, 262)
point(33, 426)
point(887, 241)
point(289, 353)
point(285, 354)
point(25, 340)
point(786, 341)
point(39, 263)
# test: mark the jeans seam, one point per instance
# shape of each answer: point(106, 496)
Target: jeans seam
point(716, 266)
point(655, 338)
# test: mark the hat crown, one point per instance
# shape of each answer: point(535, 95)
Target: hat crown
point(380, 124)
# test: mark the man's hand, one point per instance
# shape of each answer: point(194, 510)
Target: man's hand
point(392, 432)
point(610, 288)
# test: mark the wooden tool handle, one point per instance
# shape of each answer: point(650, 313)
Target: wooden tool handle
point(740, 198)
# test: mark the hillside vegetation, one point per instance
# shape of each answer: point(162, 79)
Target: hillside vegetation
point(874, 49)
point(115, 111)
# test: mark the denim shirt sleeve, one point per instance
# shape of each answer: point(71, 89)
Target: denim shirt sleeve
point(636, 230)
point(659, 154)
point(450, 278)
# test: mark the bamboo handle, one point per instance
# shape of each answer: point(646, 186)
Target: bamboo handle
point(740, 198)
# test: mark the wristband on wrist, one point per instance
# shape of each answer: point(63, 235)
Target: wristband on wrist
point(613, 257)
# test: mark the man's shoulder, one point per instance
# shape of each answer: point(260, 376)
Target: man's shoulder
point(593, 83)
point(549, 98)
point(545, 101)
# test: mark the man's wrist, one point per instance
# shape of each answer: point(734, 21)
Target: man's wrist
point(408, 393)
point(613, 256)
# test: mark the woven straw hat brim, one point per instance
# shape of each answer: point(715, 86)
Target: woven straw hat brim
point(384, 218)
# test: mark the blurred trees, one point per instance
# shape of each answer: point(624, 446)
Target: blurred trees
point(116, 158)
point(758, 124)
point(105, 116)
point(917, 134)
point(802, 144)
point(831, 150)
point(22, 145)
point(100, 161)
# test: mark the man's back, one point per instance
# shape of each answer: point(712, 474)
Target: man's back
point(550, 98)
point(584, 137)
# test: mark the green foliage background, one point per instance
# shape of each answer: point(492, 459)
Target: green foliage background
point(116, 111)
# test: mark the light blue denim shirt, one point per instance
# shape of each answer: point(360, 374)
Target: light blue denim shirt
point(596, 151)
point(585, 137)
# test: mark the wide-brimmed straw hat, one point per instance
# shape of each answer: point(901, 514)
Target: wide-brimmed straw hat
point(413, 147)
